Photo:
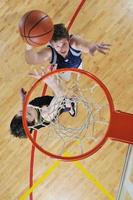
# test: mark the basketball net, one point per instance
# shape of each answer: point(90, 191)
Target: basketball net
point(80, 133)
point(84, 133)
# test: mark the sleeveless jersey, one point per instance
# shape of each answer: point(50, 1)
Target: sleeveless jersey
point(72, 60)
point(38, 103)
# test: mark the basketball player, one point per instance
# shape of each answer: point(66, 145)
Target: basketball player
point(64, 50)
point(43, 110)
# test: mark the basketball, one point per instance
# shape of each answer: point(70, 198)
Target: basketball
point(36, 28)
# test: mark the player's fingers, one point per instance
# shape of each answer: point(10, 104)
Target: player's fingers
point(32, 75)
point(105, 44)
point(40, 72)
point(36, 72)
point(43, 68)
point(101, 51)
point(103, 47)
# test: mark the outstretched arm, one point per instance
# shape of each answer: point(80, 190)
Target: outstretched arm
point(49, 113)
point(51, 81)
point(40, 57)
point(88, 47)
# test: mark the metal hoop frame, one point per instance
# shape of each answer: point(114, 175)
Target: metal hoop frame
point(72, 158)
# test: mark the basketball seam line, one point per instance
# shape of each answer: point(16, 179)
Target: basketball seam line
point(37, 24)
point(34, 41)
point(25, 23)
point(27, 36)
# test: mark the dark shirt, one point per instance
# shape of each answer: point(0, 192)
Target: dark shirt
point(40, 102)
point(72, 60)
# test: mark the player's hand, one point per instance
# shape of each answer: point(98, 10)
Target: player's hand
point(37, 74)
point(28, 47)
point(101, 47)
point(51, 81)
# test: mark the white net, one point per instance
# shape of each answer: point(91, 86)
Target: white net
point(83, 124)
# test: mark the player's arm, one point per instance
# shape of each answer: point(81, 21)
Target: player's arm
point(51, 81)
point(33, 57)
point(88, 47)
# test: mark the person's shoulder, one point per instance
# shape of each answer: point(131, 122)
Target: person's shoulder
point(46, 49)
point(46, 52)
point(74, 41)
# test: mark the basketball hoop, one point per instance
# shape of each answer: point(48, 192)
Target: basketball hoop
point(96, 119)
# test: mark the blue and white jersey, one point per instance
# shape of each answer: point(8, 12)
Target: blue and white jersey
point(72, 60)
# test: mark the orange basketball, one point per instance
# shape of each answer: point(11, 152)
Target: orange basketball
point(36, 28)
